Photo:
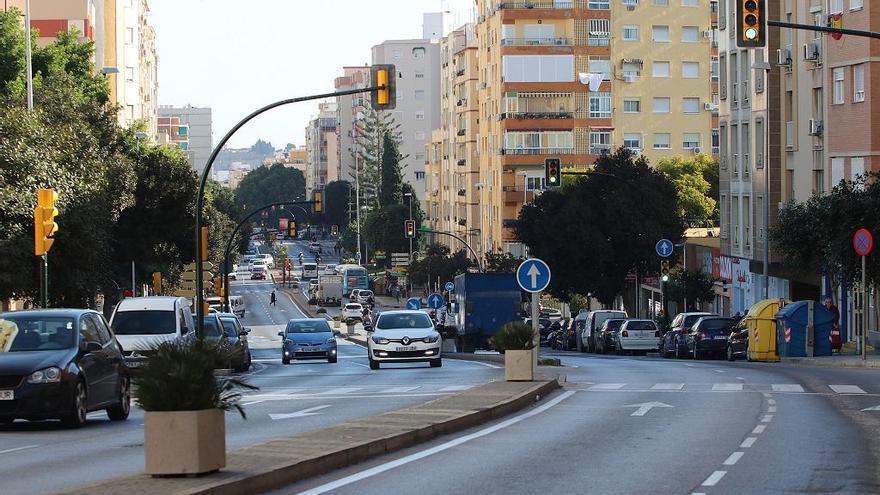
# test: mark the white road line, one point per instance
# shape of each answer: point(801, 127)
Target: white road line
point(488, 365)
point(252, 403)
point(333, 485)
point(748, 442)
point(740, 378)
point(691, 365)
point(846, 389)
point(607, 386)
point(767, 418)
point(771, 402)
point(360, 364)
point(714, 478)
point(667, 386)
point(455, 388)
point(759, 429)
point(787, 387)
point(766, 394)
point(340, 391)
point(771, 409)
point(719, 371)
point(727, 387)
point(397, 390)
point(7, 451)
point(734, 457)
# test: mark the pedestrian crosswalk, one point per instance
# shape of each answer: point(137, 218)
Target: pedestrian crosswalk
point(782, 388)
point(287, 393)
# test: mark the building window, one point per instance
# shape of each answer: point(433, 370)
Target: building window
point(632, 105)
point(600, 105)
point(661, 104)
point(661, 141)
point(183, 145)
point(538, 68)
point(183, 131)
point(661, 3)
point(630, 33)
point(129, 112)
point(690, 140)
point(837, 86)
point(633, 141)
point(420, 115)
point(690, 105)
point(599, 32)
point(691, 70)
point(420, 135)
point(858, 83)
point(420, 176)
point(690, 34)
point(660, 69)
point(631, 71)
point(660, 34)
point(600, 65)
point(534, 183)
point(856, 4)
point(600, 142)
point(599, 4)
point(836, 7)
point(129, 73)
point(419, 52)
point(692, 3)
point(856, 167)
point(836, 171)
point(129, 36)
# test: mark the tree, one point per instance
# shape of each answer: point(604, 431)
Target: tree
point(501, 262)
point(383, 229)
point(370, 135)
point(691, 178)
point(337, 195)
point(12, 56)
point(262, 148)
point(690, 287)
point(605, 226)
point(275, 183)
point(390, 192)
point(439, 264)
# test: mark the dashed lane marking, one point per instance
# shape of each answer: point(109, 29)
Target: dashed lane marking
point(847, 389)
point(767, 418)
point(727, 387)
point(787, 387)
point(714, 478)
point(667, 386)
point(734, 457)
point(759, 429)
point(748, 442)
point(607, 386)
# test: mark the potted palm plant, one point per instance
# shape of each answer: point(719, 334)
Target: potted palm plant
point(184, 403)
point(517, 340)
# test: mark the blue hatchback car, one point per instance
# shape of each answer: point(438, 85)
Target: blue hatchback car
point(308, 338)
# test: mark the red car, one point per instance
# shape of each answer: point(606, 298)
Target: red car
point(258, 273)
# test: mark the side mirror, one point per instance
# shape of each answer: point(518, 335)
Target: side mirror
point(91, 347)
point(368, 328)
point(281, 334)
point(245, 331)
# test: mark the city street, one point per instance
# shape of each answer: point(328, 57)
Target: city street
point(647, 425)
point(299, 397)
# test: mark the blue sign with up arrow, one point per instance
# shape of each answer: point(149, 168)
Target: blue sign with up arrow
point(664, 248)
point(436, 301)
point(533, 275)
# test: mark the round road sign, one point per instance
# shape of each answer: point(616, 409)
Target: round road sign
point(863, 242)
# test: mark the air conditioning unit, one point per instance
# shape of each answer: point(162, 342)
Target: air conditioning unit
point(707, 34)
point(811, 51)
point(629, 78)
point(815, 127)
point(783, 56)
point(560, 41)
point(697, 150)
point(630, 7)
point(708, 106)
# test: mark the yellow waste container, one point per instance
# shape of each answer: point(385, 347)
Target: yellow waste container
point(761, 322)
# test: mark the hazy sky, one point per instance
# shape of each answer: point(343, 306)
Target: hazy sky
point(236, 56)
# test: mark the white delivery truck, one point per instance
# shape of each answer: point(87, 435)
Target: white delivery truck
point(329, 290)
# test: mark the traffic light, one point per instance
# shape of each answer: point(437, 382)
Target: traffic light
point(287, 264)
point(751, 24)
point(385, 77)
point(410, 229)
point(334, 230)
point(664, 270)
point(44, 221)
point(157, 283)
point(291, 229)
point(318, 205)
point(552, 172)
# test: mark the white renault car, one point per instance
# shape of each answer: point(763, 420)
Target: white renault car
point(404, 336)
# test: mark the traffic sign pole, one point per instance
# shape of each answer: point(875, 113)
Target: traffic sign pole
point(536, 310)
point(863, 243)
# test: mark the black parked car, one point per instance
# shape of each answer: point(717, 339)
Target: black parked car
point(237, 337)
point(738, 342)
point(674, 341)
point(605, 341)
point(60, 364)
point(709, 336)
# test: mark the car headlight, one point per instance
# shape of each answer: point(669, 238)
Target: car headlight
point(48, 375)
point(331, 340)
point(379, 340)
point(432, 338)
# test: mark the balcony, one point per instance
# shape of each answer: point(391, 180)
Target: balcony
point(459, 72)
point(536, 42)
point(536, 115)
point(598, 149)
point(536, 4)
point(518, 194)
point(538, 105)
point(536, 151)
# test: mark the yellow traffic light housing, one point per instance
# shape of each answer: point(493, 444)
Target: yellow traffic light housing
point(384, 78)
point(552, 172)
point(291, 229)
point(318, 205)
point(751, 24)
point(44, 221)
point(410, 229)
point(664, 270)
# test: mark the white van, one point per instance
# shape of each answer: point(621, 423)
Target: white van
point(269, 259)
point(236, 305)
point(144, 322)
point(588, 322)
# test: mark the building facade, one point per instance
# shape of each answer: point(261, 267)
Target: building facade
point(418, 101)
point(349, 112)
point(174, 132)
point(131, 48)
point(322, 164)
point(200, 131)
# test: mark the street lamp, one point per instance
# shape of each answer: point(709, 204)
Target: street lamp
point(409, 195)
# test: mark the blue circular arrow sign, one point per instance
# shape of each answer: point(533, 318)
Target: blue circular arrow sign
point(436, 301)
point(449, 287)
point(664, 248)
point(533, 275)
point(413, 303)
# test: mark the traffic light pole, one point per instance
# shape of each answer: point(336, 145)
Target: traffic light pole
point(200, 197)
point(824, 29)
point(479, 262)
point(44, 281)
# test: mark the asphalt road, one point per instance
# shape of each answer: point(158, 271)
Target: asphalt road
point(648, 425)
point(42, 457)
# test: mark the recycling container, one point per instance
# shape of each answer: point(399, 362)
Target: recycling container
point(803, 329)
point(761, 322)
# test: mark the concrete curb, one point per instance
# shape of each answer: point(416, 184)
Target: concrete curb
point(826, 362)
point(357, 441)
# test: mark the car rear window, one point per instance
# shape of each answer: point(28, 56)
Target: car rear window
point(352, 306)
point(613, 325)
point(716, 325)
point(691, 320)
point(641, 325)
point(410, 320)
point(144, 322)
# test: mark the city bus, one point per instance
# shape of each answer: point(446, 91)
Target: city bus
point(353, 277)
point(309, 270)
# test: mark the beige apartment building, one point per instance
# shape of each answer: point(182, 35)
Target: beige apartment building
point(322, 156)
point(452, 169)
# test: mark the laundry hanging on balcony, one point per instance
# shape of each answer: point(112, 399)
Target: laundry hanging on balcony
point(590, 79)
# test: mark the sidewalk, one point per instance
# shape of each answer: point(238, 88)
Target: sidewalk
point(289, 459)
point(837, 361)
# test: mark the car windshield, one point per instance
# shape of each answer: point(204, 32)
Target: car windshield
point(144, 322)
point(229, 326)
point(641, 325)
point(317, 326)
point(412, 320)
point(353, 306)
point(36, 334)
point(365, 293)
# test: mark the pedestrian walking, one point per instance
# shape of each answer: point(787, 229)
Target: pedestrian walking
point(272, 298)
point(836, 341)
point(396, 291)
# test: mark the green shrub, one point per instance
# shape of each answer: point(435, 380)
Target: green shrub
point(514, 336)
point(179, 376)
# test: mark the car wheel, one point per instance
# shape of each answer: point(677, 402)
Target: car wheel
point(436, 363)
point(120, 411)
point(374, 365)
point(331, 360)
point(285, 360)
point(79, 408)
point(730, 355)
point(6, 421)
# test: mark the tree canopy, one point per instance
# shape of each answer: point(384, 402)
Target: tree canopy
point(693, 178)
point(439, 263)
point(275, 183)
point(337, 195)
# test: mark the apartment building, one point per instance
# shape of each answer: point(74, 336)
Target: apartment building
point(452, 166)
point(199, 128)
point(418, 102)
point(350, 111)
point(322, 164)
point(50, 17)
point(174, 132)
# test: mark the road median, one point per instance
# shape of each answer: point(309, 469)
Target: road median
point(290, 459)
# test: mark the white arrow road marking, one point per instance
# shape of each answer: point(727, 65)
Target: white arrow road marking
point(534, 272)
point(644, 407)
point(299, 414)
point(875, 408)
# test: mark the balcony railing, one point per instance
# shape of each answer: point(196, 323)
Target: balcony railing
point(537, 151)
point(598, 149)
point(536, 42)
point(518, 194)
point(536, 4)
point(536, 115)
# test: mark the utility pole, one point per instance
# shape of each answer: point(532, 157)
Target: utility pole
point(27, 49)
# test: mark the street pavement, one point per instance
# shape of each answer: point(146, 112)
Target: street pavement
point(649, 425)
point(42, 457)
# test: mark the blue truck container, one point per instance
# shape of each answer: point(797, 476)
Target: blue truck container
point(484, 302)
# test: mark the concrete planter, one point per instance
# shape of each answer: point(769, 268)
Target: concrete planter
point(518, 366)
point(184, 442)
